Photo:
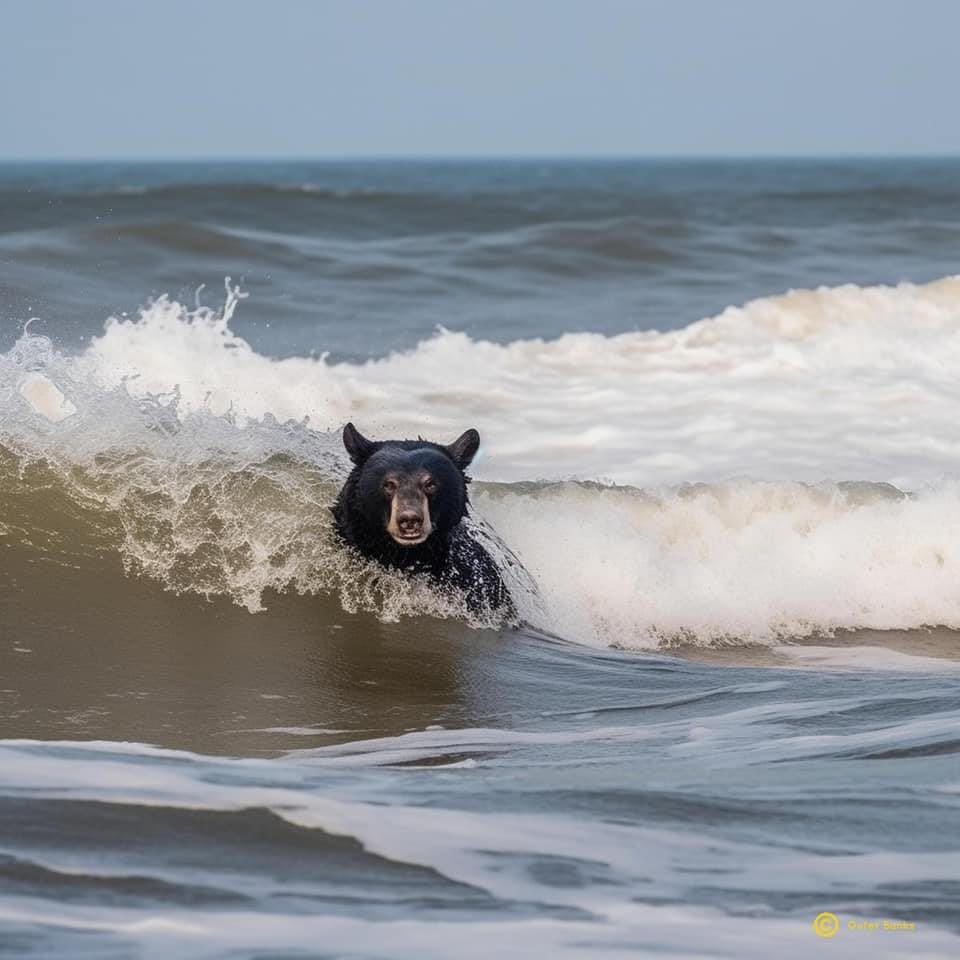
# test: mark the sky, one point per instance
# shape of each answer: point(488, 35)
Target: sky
point(358, 78)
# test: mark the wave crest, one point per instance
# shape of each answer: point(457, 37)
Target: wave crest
point(210, 467)
point(831, 383)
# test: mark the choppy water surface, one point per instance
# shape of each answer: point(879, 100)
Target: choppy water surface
point(733, 702)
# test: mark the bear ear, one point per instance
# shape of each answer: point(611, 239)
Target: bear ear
point(464, 448)
point(357, 445)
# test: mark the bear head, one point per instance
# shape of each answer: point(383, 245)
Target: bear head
point(410, 491)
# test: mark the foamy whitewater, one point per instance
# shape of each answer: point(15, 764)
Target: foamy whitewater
point(845, 383)
point(720, 468)
point(780, 470)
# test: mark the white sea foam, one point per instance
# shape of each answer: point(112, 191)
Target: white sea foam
point(862, 657)
point(46, 398)
point(486, 849)
point(787, 394)
point(638, 930)
point(842, 383)
point(743, 560)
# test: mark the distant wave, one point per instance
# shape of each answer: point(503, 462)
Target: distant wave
point(201, 189)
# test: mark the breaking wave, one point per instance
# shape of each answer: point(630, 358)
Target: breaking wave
point(782, 470)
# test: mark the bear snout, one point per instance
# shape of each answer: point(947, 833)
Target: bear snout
point(409, 522)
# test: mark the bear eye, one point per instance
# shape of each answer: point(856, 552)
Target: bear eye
point(429, 485)
point(390, 486)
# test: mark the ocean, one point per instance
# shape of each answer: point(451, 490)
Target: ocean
point(718, 403)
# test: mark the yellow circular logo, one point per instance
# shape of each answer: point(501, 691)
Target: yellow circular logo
point(826, 925)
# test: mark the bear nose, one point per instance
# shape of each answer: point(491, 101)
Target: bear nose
point(409, 521)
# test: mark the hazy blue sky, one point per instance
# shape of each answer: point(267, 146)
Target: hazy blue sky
point(128, 78)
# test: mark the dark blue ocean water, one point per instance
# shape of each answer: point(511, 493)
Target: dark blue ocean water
point(360, 258)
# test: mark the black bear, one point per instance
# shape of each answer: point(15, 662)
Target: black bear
point(403, 504)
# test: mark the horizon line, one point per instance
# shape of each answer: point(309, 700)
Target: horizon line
point(466, 157)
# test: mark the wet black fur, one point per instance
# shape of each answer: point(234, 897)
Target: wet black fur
point(450, 555)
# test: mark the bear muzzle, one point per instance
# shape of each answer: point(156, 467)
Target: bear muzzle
point(409, 522)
